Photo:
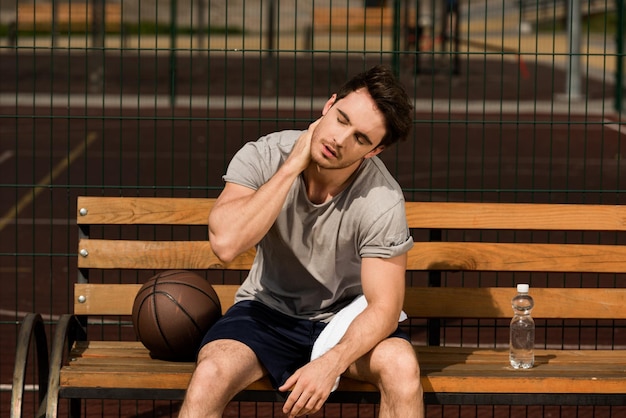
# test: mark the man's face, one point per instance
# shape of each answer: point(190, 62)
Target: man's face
point(350, 130)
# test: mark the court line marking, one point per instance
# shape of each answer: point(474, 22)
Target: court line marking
point(57, 170)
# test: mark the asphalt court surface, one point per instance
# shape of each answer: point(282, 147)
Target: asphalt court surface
point(490, 133)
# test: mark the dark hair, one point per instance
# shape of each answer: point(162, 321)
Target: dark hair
point(390, 97)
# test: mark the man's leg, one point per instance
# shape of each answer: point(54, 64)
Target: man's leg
point(224, 368)
point(392, 366)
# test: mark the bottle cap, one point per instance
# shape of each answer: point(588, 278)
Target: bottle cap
point(522, 288)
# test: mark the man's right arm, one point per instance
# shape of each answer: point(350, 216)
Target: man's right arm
point(242, 216)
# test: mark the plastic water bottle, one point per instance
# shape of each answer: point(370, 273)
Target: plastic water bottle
point(522, 341)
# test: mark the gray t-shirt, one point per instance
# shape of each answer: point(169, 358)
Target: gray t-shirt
point(309, 263)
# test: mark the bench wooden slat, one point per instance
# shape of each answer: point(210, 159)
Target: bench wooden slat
point(495, 302)
point(444, 369)
point(485, 256)
point(429, 215)
point(118, 299)
point(516, 216)
point(420, 302)
point(128, 254)
point(144, 211)
point(495, 379)
point(448, 256)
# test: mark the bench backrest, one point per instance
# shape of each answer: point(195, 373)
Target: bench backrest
point(422, 302)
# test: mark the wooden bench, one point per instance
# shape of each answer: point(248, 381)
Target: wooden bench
point(66, 17)
point(459, 249)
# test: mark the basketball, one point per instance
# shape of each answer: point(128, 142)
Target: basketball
point(171, 313)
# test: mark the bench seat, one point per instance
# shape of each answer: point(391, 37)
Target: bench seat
point(128, 365)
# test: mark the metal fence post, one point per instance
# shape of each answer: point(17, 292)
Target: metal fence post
point(572, 85)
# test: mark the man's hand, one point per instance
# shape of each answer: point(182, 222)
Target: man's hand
point(310, 386)
point(300, 156)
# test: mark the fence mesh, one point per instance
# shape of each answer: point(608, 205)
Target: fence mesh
point(516, 101)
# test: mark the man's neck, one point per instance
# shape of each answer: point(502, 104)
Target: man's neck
point(324, 184)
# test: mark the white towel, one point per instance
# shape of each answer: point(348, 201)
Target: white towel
point(338, 326)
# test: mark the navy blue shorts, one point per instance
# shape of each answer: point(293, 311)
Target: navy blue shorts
point(282, 343)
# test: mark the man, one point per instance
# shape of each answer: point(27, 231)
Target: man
point(328, 223)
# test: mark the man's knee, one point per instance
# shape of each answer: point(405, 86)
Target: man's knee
point(205, 375)
point(227, 360)
point(400, 372)
point(397, 373)
point(207, 363)
point(223, 368)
